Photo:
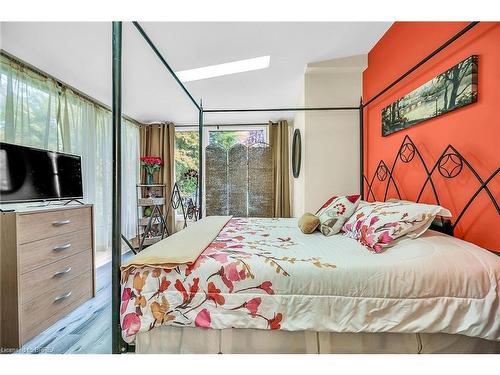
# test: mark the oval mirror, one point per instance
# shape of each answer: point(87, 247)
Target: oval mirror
point(296, 153)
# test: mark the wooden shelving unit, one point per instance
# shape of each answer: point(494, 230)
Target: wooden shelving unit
point(151, 208)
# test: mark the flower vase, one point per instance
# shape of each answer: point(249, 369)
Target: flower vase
point(149, 179)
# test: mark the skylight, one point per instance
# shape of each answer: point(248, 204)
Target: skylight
point(218, 70)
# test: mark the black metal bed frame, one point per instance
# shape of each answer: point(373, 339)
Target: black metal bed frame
point(450, 153)
point(449, 165)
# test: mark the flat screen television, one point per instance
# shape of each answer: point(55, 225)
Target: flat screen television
point(31, 174)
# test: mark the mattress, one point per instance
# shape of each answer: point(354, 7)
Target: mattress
point(266, 274)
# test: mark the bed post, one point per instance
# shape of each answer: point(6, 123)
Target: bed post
point(116, 195)
point(361, 150)
point(200, 161)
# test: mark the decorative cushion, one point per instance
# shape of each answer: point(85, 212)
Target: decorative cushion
point(308, 223)
point(444, 211)
point(377, 225)
point(334, 213)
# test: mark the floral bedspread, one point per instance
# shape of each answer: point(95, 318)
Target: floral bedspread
point(267, 274)
point(231, 284)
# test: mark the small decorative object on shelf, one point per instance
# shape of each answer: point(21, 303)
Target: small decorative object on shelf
point(151, 164)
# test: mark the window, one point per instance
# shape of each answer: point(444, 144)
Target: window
point(28, 107)
point(186, 159)
point(39, 112)
point(228, 138)
point(235, 155)
point(186, 149)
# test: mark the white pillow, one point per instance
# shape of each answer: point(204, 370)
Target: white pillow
point(378, 225)
point(444, 212)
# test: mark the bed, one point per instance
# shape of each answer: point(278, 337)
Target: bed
point(263, 286)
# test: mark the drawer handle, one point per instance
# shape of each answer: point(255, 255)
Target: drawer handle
point(62, 297)
point(61, 222)
point(62, 272)
point(62, 247)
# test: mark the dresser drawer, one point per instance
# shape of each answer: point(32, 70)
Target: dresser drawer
point(36, 254)
point(38, 226)
point(49, 307)
point(49, 277)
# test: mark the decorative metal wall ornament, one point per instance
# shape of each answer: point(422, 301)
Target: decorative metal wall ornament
point(449, 165)
point(455, 88)
point(296, 153)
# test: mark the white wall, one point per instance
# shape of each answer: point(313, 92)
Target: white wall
point(297, 190)
point(330, 158)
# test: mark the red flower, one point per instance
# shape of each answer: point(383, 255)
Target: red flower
point(193, 289)
point(266, 287)
point(178, 285)
point(131, 324)
point(231, 271)
point(274, 323)
point(327, 203)
point(253, 305)
point(163, 285)
point(340, 208)
point(353, 198)
point(203, 319)
point(126, 295)
point(151, 160)
point(213, 293)
point(224, 279)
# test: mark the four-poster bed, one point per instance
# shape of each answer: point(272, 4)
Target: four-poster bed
point(249, 226)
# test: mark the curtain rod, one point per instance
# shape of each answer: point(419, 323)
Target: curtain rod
point(217, 125)
point(45, 75)
point(423, 61)
point(281, 109)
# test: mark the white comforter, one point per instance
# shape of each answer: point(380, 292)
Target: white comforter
point(266, 274)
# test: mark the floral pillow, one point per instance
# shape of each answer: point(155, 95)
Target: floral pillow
point(444, 211)
point(334, 213)
point(377, 225)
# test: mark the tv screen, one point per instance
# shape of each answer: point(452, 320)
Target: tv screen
point(31, 174)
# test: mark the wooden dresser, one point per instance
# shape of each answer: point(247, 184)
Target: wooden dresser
point(47, 268)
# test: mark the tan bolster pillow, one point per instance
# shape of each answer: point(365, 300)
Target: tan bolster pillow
point(308, 223)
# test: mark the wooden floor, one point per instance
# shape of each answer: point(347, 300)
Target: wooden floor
point(85, 330)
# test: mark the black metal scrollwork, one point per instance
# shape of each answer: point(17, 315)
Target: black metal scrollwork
point(449, 165)
point(382, 172)
point(407, 152)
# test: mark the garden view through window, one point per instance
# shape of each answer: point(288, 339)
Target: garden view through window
point(186, 150)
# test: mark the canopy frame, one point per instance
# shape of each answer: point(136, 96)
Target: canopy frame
point(118, 344)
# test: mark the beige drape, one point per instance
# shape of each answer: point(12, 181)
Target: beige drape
point(278, 140)
point(158, 140)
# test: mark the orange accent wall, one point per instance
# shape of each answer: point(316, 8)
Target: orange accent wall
point(473, 130)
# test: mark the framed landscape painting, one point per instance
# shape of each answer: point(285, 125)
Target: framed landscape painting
point(455, 88)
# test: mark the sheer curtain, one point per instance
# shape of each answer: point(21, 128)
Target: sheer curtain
point(130, 177)
point(35, 111)
point(29, 105)
point(86, 131)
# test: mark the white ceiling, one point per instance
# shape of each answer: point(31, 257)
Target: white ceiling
point(80, 55)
